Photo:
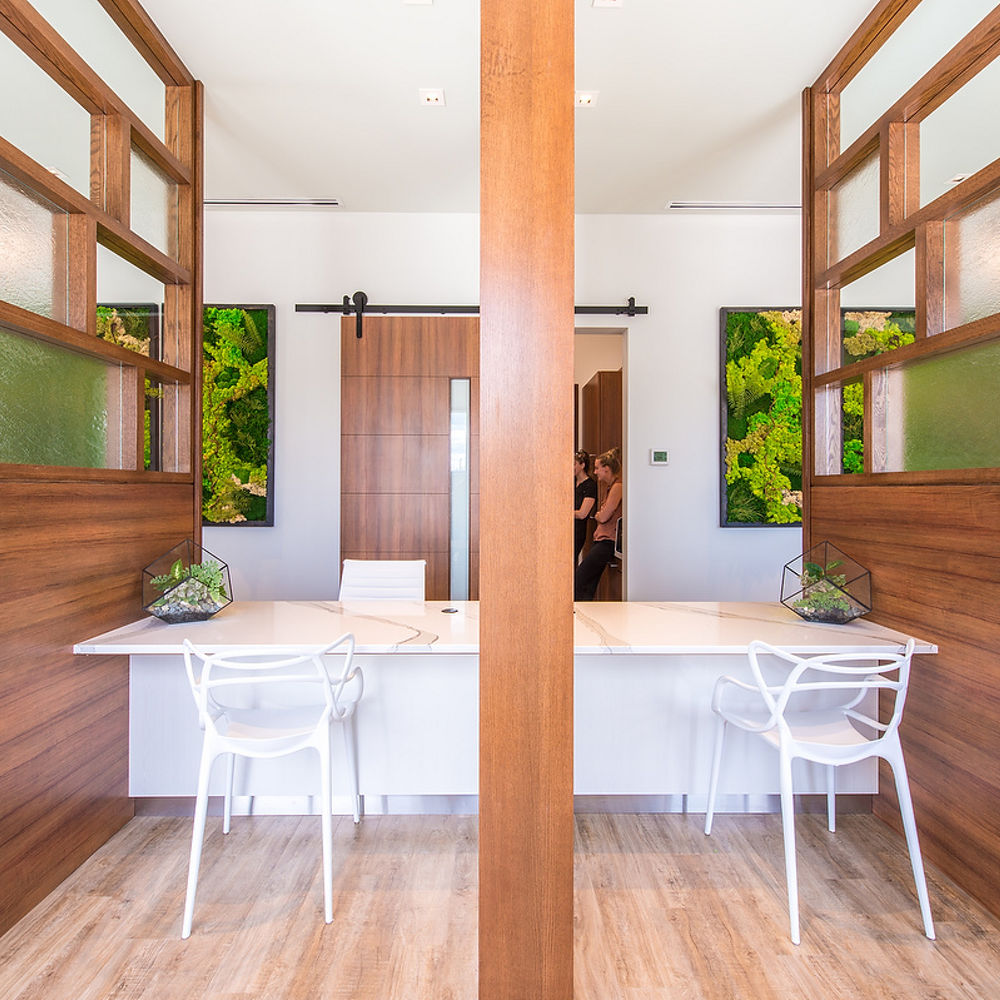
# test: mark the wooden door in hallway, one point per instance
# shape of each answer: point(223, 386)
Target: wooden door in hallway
point(396, 441)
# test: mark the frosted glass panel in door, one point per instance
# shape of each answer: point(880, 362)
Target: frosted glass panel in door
point(854, 209)
point(58, 407)
point(33, 236)
point(972, 263)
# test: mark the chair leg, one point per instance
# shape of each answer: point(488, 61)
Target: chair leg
point(197, 837)
point(713, 783)
point(788, 831)
point(227, 808)
point(351, 747)
point(326, 799)
point(910, 829)
point(831, 797)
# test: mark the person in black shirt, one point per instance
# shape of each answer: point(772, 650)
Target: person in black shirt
point(586, 500)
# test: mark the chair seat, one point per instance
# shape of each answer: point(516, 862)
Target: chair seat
point(279, 727)
point(819, 730)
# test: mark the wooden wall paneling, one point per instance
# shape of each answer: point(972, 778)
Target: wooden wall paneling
point(929, 268)
point(393, 404)
point(395, 522)
point(393, 463)
point(526, 635)
point(70, 566)
point(413, 345)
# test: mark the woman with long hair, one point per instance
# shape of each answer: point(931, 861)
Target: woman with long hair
point(585, 502)
point(608, 469)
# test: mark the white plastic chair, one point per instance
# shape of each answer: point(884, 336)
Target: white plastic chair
point(839, 732)
point(270, 703)
point(383, 580)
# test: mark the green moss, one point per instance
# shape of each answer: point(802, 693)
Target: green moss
point(236, 425)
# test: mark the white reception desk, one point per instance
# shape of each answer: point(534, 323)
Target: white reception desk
point(643, 681)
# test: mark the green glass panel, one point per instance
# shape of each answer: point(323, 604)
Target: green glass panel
point(949, 411)
point(57, 407)
point(852, 422)
point(33, 251)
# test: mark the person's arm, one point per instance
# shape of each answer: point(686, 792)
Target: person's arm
point(610, 504)
point(583, 511)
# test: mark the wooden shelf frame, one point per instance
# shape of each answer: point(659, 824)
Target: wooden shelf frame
point(103, 219)
point(903, 224)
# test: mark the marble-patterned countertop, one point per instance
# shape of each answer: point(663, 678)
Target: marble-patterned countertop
point(634, 627)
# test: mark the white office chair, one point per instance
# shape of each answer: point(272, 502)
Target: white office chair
point(839, 732)
point(383, 579)
point(271, 703)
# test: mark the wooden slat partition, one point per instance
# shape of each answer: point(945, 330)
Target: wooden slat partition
point(526, 413)
point(73, 541)
point(930, 538)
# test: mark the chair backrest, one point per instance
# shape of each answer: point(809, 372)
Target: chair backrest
point(249, 678)
point(849, 676)
point(383, 579)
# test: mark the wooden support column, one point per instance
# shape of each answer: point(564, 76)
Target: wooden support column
point(526, 628)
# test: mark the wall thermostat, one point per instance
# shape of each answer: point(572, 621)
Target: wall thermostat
point(657, 457)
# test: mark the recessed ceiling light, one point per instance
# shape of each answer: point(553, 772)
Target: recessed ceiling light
point(432, 97)
point(958, 178)
point(586, 98)
point(276, 202)
point(608, 3)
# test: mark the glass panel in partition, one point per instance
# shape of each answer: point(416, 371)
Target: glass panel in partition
point(928, 33)
point(58, 407)
point(86, 26)
point(972, 263)
point(941, 412)
point(460, 487)
point(153, 205)
point(44, 121)
point(854, 209)
point(33, 239)
point(130, 306)
point(960, 137)
point(852, 415)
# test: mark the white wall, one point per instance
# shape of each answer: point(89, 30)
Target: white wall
point(683, 267)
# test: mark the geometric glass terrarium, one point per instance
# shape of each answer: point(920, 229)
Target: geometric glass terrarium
point(186, 584)
point(826, 585)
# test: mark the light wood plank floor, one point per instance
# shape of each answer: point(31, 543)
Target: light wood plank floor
point(661, 912)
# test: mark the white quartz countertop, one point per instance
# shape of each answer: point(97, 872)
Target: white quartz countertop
point(428, 627)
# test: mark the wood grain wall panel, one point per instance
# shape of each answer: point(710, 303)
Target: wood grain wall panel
point(412, 345)
point(394, 463)
point(934, 555)
point(394, 405)
point(437, 574)
point(395, 522)
point(70, 567)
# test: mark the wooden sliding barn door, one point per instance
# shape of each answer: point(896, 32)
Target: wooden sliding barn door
point(395, 426)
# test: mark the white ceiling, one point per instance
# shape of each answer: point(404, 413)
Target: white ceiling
point(319, 98)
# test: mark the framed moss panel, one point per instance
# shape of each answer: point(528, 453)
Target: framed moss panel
point(761, 405)
point(238, 415)
point(761, 419)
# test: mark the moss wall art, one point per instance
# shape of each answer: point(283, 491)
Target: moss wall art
point(238, 416)
point(761, 400)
